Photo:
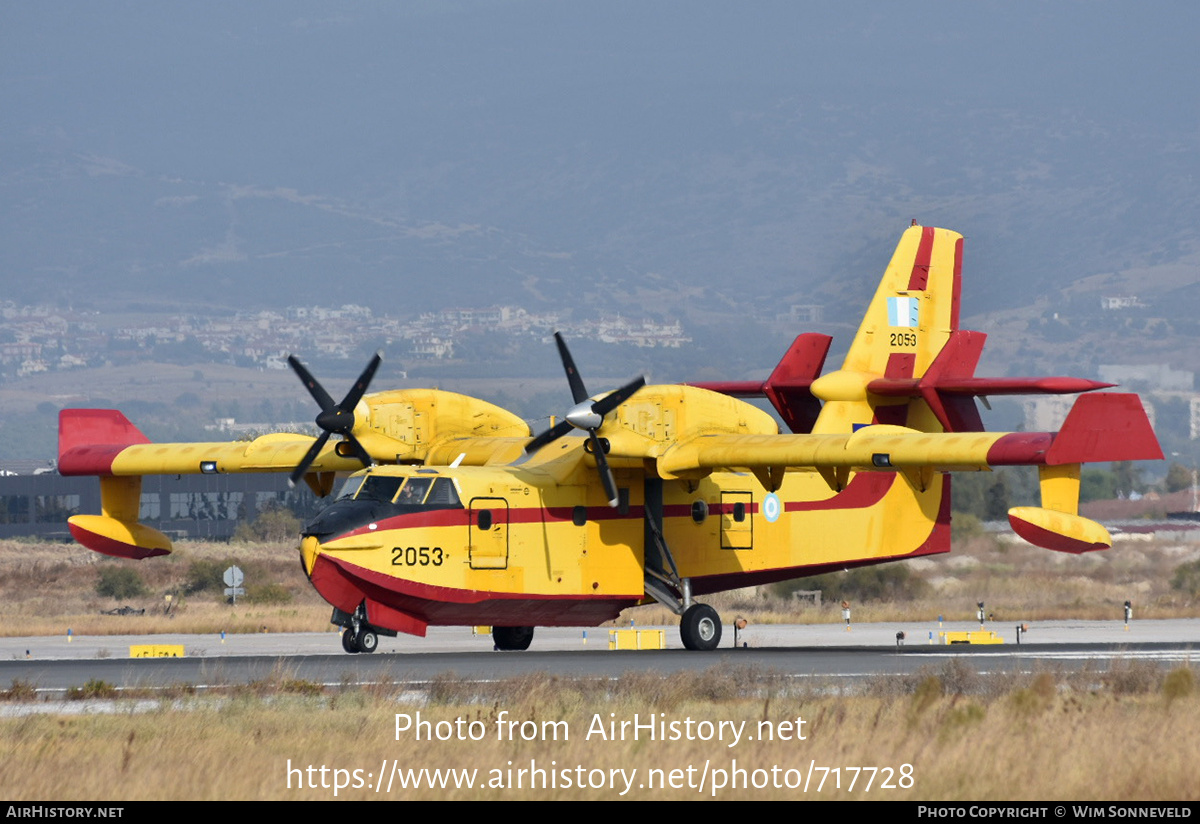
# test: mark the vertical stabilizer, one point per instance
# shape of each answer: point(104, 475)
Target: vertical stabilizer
point(907, 323)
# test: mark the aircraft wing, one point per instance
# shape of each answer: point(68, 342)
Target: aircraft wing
point(1102, 427)
point(103, 442)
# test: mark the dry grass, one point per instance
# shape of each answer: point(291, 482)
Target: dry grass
point(47, 587)
point(1045, 736)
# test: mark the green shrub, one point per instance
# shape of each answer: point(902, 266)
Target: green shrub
point(275, 524)
point(268, 594)
point(1187, 578)
point(964, 526)
point(120, 582)
point(94, 688)
point(203, 575)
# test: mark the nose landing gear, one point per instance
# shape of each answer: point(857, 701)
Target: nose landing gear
point(359, 636)
point(363, 641)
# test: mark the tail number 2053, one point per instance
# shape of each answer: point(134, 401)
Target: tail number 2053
point(417, 556)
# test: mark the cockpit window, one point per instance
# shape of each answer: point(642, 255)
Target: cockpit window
point(443, 494)
point(370, 497)
point(349, 488)
point(414, 491)
point(424, 494)
point(379, 488)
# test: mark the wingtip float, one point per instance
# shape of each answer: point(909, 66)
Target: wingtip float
point(455, 514)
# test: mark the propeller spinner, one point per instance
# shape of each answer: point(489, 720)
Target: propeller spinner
point(587, 415)
point(335, 418)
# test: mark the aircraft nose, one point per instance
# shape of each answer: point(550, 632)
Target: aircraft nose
point(309, 547)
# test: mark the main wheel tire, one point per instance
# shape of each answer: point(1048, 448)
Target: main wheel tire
point(368, 641)
point(348, 642)
point(512, 638)
point(700, 627)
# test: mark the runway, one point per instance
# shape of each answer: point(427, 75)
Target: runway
point(825, 651)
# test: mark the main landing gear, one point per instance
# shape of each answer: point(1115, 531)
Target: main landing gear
point(700, 627)
point(512, 638)
point(699, 624)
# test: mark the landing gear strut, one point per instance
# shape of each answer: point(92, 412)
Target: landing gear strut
point(700, 627)
point(699, 624)
point(512, 638)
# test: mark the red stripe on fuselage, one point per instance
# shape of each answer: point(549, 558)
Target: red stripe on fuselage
point(867, 489)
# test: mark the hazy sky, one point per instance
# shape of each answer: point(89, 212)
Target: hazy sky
point(211, 142)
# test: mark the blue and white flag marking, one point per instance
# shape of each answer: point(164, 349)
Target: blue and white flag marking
point(903, 312)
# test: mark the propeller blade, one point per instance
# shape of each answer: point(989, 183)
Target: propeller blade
point(309, 457)
point(334, 418)
point(357, 448)
point(587, 416)
point(614, 399)
point(578, 392)
point(310, 383)
point(360, 386)
point(606, 475)
point(552, 434)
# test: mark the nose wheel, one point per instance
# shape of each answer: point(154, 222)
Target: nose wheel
point(363, 641)
point(700, 627)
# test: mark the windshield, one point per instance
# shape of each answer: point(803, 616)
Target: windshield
point(379, 488)
point(349, 488)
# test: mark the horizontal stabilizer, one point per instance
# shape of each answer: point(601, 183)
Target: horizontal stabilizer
point(788, 385)
point(1058, 531)
point(949, 385)
point(911, 388)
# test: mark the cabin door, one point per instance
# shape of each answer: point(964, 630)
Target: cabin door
point(487, 543)
point(737, 530)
